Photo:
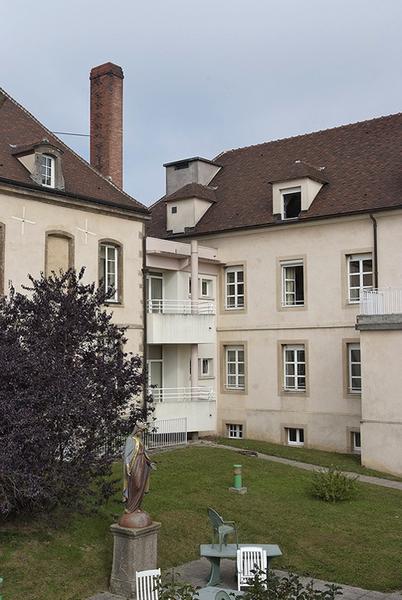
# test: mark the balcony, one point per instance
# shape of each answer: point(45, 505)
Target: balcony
point(380, 309)
point(180, 322)
point(182, 394)
point(197, 405)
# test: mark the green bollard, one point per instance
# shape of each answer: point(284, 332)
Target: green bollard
point(237, 477)
point(237, 481)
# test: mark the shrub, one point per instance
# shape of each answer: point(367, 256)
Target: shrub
point(66, 388)
point(170, 588)
point(288, 587)
point(332, 485)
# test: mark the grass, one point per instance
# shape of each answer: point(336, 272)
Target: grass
point(358, 542)
point(322, 458)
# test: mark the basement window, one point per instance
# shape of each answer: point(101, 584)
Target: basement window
point(295, 436)
point(291, 203)
point(234, 430)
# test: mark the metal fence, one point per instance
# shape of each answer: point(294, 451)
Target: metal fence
point(381, 302)
point(167, 432)
point(182, 394)
point(181, 307)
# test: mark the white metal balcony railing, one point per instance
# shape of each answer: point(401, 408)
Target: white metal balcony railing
point(181, 307)
point(384, 301)
point(182, 394)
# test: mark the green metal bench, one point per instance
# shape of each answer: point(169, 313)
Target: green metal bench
point(221, 529)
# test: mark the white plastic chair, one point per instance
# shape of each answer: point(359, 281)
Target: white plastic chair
point(249, 559)
point(146, 584)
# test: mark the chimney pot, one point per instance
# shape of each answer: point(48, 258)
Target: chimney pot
point(106, 121)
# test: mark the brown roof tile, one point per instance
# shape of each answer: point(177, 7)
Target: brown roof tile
point(193, 190)
point(19, 131)
point(362, 163)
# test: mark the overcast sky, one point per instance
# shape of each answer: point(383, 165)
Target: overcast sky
point(202, 76)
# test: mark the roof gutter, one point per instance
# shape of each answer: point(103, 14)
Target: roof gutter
point(142, 213)
point(213, 233)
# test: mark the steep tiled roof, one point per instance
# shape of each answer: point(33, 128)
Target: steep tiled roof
point(193, 190)
point(19, 131)
point(362, 164)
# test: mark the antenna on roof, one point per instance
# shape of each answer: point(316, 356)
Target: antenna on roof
point(69, 133)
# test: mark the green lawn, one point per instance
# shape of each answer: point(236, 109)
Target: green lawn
point(346, 462)
point(357, 542)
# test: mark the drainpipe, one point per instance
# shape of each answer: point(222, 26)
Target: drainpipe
point(375, 246)
point(144, 321)
point(194, 307)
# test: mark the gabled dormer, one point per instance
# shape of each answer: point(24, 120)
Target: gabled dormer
point(186, 206)
point(294, 190)
point(43, 160)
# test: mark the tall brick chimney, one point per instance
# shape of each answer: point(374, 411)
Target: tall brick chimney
point(107, 121)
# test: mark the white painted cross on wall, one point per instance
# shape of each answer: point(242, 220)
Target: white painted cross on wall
point(23, 221)
point(86, 231)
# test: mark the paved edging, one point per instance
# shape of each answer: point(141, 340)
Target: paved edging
point(388, 483)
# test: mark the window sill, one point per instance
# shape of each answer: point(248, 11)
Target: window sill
point(203, 377)
point(232, 390)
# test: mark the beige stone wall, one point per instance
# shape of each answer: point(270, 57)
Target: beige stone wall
point(326, 410)
point(382, 405)
point(26, 253)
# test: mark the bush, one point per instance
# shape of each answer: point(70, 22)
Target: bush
point(332, 485)
point(66, 388)
point(288, 587)
point(170, 588)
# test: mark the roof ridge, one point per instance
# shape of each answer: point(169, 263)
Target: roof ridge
point(302, 135)
point(86, 163)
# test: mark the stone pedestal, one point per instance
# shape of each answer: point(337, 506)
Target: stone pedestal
point(133, 550)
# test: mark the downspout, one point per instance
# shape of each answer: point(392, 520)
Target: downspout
point(375, 247)
point(144, 319)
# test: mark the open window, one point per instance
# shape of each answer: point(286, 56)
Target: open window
point(291, 203)
point(110, 270)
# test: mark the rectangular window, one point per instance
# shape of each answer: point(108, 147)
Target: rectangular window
point(47, 170)
point(356, 441)
point(291, 203)
point(354, 368)
point(234, 430)
point(205, 367)
point(234, 358)
point(109, 271)
point(295, 436)
point(294, 368)
point(360, 275)
point(206, 288)
point(293, 284)
point(234, 287)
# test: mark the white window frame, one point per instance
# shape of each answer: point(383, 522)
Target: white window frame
point(352, 389)
point(109, 249)
point(285, 279)
point(356, 448)
point(299, 435)
point(234, 431)
point(284, 193)
point(47, 170)
point(208, 283)
point(359, 258)
point(239, 299)
point(209, 364)
point(295, 348)
point(237, 375)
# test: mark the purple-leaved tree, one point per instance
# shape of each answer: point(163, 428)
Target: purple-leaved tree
point(66, 388)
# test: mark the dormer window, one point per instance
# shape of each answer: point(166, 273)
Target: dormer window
point(47, 170)
point(291, 203)
point(43, 160)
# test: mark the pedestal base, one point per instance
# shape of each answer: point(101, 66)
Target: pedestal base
point(242, 490)
point(133, 550)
